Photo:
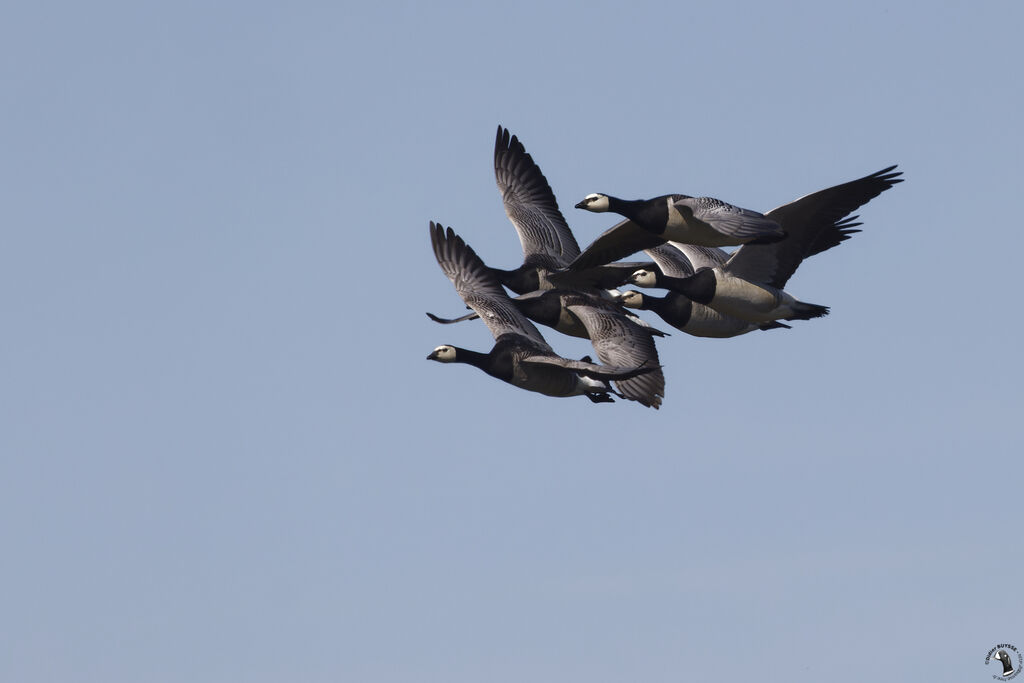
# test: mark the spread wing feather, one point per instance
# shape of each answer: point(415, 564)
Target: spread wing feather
point(619, 342)
point(813, 223)
point(727, 219)
point(531, 206)
point(478, 287)
point(619, 241)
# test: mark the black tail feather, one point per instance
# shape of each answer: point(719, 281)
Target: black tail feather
point(804, 311)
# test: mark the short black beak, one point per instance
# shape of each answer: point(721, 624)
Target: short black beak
point(431, 356)
point(581, 205)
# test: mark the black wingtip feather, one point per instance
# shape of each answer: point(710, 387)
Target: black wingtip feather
point(506, 143)
point(889, 176)
point(501, 142)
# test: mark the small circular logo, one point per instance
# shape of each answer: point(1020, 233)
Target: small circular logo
point(1008, 658)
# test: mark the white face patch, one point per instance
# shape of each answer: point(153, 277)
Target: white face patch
point(632, 299)
point(643, 278)
point(598, 203)
point(443, 354)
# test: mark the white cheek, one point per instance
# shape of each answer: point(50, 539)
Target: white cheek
point(445, 355)
point(643, 279)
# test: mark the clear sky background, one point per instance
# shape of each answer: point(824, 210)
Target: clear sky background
point(223, 456)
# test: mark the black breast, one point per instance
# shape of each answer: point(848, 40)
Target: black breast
point(653, 214)
point(674, 308)
point(545, 308)
point(701, 286)
point(501, 362)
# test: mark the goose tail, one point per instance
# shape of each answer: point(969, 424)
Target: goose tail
point(802, 311)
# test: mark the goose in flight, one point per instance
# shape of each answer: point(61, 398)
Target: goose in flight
point(703, 221)
point(750, 284)
point(825, 207)
point(679, 261)
point(520, 356)
point(618, 336)
point(551, 307)
point(547, 241)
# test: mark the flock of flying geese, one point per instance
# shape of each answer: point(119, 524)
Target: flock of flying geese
point(710, 292)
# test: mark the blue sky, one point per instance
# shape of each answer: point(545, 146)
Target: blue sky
point(225, 458)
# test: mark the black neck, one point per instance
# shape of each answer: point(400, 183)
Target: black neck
point(474, 358)
point(649, 302)
point(673, 307)
point(498, 363)
point(699, 287)
point(630, 208)
point(654, 303)
point(677, 306)
point(669, 282)
point(650, 214)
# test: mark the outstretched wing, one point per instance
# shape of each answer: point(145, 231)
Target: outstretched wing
point(676, 259)
point(619, 241)
point(449, 321)
point(813, 223)
point(702, 257)
point(774, 264)
point(605, 372)
point(608, 276)
point(531, 206)
point(743, 224)
point(478, 287)
point(671, 261)
point(619, 342)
